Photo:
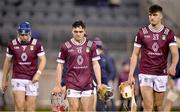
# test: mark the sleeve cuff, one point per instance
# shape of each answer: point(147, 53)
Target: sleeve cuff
point(60, 61)
point(9, 55)
point(41, 54)
point(137, 45)
point(173, 44)
point(96, 58)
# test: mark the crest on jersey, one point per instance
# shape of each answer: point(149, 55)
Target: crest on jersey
point(163, 37)
point(87, 49)
point(31, 47)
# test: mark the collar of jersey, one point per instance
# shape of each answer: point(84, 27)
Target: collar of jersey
point(77, 43)
point(156, 31)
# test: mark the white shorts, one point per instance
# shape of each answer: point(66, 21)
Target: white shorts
point(78, 94)
point(25, 85)
point(158, 83)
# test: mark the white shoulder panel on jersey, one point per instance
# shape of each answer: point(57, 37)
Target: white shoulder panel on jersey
point(14, 42)
point(166, 31)
point(144, 30)
point(67, 44)
point(89, 43)
point(34, 41)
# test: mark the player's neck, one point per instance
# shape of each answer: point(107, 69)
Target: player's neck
point(156, 27)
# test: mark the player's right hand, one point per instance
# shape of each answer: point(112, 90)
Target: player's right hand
point(56, 90)
point(171, 70)
point(4, 85)
point(101, 87)
point(131, 80)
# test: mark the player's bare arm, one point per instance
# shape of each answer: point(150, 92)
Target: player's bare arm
point(133, 63)
point(6, 68)
point(175, 58)
point(58, 87)
point(41, 67)
point(97, 71)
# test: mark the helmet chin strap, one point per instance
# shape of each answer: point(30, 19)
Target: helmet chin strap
point(24, 42)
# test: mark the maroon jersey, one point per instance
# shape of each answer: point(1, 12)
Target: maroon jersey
point(154, 49)
point(79, 63)
point(24, 57)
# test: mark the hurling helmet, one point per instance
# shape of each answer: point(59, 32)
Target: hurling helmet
point(125, 90)
point(24, 28)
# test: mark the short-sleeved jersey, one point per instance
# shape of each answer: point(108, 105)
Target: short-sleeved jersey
point(79, 63)
point(24, 57)
point(154, 49)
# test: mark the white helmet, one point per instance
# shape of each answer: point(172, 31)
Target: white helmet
point(126, 90)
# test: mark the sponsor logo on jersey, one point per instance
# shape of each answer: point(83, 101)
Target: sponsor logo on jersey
point(155, 46)
point(80, 60)
point(24, 56)
point(24, 63)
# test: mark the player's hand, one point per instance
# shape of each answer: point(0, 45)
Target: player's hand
point(64, 89)
point(36, 78)
point(171, 71)
point(57, 89)
point(101, 86)
point(131, 80)
point(4, 85)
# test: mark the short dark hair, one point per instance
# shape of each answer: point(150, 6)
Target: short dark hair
point(155, 8)
point(78, 24)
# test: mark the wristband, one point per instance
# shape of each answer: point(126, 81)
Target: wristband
point(39, 72)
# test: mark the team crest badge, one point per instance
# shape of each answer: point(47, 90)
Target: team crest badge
point(87, 49)
point(31, 48)
point(163, 37)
